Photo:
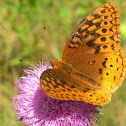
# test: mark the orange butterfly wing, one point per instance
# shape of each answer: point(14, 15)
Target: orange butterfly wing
point(97, 34)
point(94, 47)
point(59, 85)
point(93, 63)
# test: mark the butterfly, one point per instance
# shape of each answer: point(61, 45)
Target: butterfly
point(93, 64)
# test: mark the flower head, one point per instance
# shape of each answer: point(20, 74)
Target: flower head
point(35, 108)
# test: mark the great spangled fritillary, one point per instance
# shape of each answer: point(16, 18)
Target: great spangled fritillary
point(93, 63)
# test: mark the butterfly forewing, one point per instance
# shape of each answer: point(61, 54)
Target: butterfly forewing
point(96, 34)
point(94, 47)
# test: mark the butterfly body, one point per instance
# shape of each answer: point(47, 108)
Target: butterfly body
point(93, 64)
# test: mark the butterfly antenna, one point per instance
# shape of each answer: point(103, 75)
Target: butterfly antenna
point(28, 60)
point(51, 47)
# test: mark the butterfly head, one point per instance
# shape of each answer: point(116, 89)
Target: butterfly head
point(54, 62)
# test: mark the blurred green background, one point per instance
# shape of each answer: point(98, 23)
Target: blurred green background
point(22, 37)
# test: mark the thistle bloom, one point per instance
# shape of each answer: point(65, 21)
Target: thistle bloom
point(35, 108)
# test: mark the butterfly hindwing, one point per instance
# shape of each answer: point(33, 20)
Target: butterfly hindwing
point(58, 85)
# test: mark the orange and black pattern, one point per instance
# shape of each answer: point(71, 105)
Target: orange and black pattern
point(93, 64)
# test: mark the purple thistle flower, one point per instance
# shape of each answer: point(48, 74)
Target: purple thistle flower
point(35, 108)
